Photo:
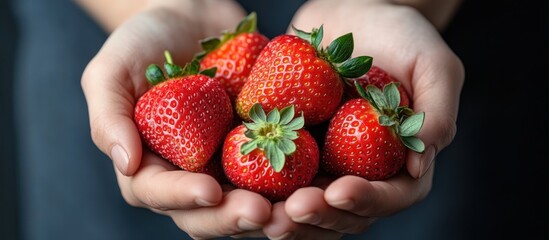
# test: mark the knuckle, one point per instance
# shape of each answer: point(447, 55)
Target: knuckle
point(146, 195)
point(130, 198)
point(151, 202)
point(449, 133)
point(96, 131)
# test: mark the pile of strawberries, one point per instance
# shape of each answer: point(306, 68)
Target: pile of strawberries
point(269, 115)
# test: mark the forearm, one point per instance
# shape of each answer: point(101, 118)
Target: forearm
point(111, 14)
point(438, 12)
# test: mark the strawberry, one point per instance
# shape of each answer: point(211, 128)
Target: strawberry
point(295, 70)
point(379, 78)
point(214, 168)
point(233, 54)
point(368, 136)
point(272, 155)
point(185, 117)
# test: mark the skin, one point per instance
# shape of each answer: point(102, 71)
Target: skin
point(402, 36)
point(403, 42)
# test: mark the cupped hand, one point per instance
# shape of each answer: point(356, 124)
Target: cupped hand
point(112, 83)
point(196, 202)
point(405, 44)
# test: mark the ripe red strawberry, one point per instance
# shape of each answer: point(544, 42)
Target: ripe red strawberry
point(185, 117)
point(295, 70)
point(214, 168)
point(272, 156)
point(368, 136)
point(233, 54)
point(379, 78)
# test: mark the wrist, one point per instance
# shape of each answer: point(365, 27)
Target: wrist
point(197, 14)
point(439, 13)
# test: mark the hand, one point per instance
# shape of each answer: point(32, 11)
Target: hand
point(195, 202)
point(112, 83)
point(405, 44)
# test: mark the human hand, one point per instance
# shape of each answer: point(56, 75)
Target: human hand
point(112, 83)
point(405, 44)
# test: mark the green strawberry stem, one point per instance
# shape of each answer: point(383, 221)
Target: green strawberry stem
point(246, 25)
point(338, 53)
point(272, 133)
point(401, 119)
point(155, 75)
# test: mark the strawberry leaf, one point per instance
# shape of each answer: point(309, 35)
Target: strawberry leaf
point(248, 24)
point(286, 115)
point(412, 125)
point(154, 74)
point(296, 124)
point(273, 116)
point(257, 114)
point(209, 44)
point(314, 37)
point(413, 143)
point(378, 97)
point(302, 34)
point(276, 156)
point(248, 147)
point(385, 120)
point(272, 133)
point(392, 95)
point(355, 67)
point(292, 135)
point(253, 126)
point(363, 92)
point(252, 134)
point(173, 71)
point(405, 111)
point(191, 68)
point(287, 146)
point(210, 72)
point(341, 48)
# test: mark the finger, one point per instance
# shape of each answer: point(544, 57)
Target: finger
point(250, 234)
point(307, 206)
point(110, 107)
point(376, 198)
point(437, 81)
point(281, 226)
point(159, 185)
point(240, 211)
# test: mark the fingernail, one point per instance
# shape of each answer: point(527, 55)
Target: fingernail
point(247, 225)
point(120, 158)
point(285, 236)
point(203, 203)
point(311, 218)
point(344, 204)
point(426, 160)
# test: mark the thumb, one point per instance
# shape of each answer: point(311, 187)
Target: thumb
point(110, 99)
point(437, 89)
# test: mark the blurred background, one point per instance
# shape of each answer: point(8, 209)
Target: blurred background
point(491, 182)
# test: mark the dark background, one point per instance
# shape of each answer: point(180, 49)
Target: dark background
point(491, 182)
point(8, 161)
point(503, 119)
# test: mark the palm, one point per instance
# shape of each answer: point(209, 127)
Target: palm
point(404, 43)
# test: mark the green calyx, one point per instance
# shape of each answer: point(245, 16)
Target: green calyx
point(272, 133)
point(401, 119)
point(246, 25)
point(338, 53)
point(155, 75)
